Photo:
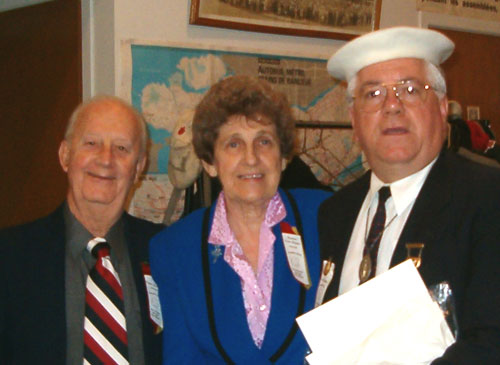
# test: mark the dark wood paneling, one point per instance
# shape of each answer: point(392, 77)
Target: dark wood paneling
point(473, 74)
point(40, 69)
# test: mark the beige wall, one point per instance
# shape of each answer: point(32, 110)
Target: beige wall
point(106, 23)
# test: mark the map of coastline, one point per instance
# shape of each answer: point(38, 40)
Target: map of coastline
point(168, 81)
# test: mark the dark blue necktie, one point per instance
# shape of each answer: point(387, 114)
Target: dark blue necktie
point(369, 262)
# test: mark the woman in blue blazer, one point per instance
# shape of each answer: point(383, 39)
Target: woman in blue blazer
point(233, 277)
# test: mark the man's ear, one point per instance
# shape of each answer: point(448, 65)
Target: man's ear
point(209, 168)
point(284, 162)
point(139, 168)
point(353, 123)
point(443, 108)
point(64, 155)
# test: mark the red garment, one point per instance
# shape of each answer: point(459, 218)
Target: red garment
point(478, 136)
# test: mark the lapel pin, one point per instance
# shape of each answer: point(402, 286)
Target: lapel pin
point(415, 253)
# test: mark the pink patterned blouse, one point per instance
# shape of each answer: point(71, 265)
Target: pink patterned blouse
point(256, 287)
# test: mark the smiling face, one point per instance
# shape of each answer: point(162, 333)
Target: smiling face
point(399, 139)
point(102, 157)
point(247, 160)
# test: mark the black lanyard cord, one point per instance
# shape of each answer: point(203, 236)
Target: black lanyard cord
point(208, 288)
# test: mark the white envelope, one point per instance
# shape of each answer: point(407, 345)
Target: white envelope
point(390, 319)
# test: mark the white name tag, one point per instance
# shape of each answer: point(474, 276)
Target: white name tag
point(327, 271)
point(297, 258)
point(154, 301)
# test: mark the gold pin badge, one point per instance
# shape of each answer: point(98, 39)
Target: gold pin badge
point(327, 267)
point(415, 253)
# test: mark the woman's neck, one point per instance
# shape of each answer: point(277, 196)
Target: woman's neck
point(245, 220)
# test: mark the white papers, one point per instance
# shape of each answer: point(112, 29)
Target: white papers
point(390, 319)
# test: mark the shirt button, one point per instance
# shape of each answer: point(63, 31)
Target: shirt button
point(263, 307)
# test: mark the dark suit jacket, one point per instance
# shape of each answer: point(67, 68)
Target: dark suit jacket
point(457, 217)
point(32, 287)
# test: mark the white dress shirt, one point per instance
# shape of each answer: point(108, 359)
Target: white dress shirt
point(404, 192)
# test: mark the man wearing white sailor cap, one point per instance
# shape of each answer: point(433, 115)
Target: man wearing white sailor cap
point(447, 206)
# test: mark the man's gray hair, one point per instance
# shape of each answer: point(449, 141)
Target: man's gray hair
point(75, 117)
point(435, 76)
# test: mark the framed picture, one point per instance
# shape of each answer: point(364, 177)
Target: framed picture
point(336, 19)
point(473, 113)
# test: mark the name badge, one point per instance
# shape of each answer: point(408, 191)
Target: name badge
point(327, 271)
point(153, 299)
point(295, 254)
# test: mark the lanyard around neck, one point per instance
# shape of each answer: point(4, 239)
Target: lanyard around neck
point(208, 288)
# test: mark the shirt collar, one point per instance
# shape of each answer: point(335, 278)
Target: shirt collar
point(222, 234)
point(77, 236)
point(404, 191)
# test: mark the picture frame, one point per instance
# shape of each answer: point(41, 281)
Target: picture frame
point(473, 112)
point(334, 19)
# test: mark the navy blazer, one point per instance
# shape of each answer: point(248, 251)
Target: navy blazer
point(457, 216)
point(176, 264)
point(32, 300)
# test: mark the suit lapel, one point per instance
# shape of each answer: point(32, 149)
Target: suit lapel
point(138, 253)
point(229, 309)
point(343, 221)
point(429, 211)
point(230, 315)
point(287, 291)
point(285, 296)
point(136, 239)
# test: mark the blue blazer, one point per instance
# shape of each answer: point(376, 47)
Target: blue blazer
point(457, 216)
point(176, 264)
point(32, 293)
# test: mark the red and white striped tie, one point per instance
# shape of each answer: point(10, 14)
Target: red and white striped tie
point(105, 330)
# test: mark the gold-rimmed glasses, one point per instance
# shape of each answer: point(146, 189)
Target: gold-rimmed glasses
point(371, 97)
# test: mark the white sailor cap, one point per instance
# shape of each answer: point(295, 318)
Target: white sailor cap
point(388, 44)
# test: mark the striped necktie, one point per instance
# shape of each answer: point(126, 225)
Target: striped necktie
point(368, 265)
point(105, 330)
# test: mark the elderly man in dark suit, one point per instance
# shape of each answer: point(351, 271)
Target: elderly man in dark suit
point(47, 315)
point(446, 205)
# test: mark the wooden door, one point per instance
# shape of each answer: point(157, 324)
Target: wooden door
point(41, 83)
point(473, 74)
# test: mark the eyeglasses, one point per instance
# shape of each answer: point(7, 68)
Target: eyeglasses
point(409, 92)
